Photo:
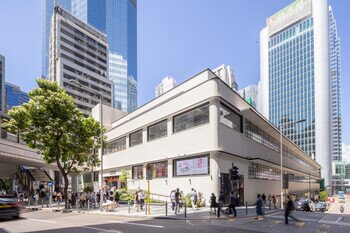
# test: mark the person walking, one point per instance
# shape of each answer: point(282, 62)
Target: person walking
point(290, 207)
point(137, 201)
point(259, 205)
point(141, 198)
point(193, 197)
point(221, 203)
point(233, 203)
point(177, 201)
point(263, 198)
point(341, 209)
point(116, 198)
point(213, 203)
point(172, 199)
point(274, 200)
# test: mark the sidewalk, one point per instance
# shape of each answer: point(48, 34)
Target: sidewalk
point(159, 212)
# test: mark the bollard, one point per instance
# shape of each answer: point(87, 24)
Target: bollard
point(166, 208)
point(88, 204)
point(128, 207)
point(146, 209)
point(246, 208)
point(186, 209)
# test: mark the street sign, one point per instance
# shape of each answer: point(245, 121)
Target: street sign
point(36, 184)
point(49, 183)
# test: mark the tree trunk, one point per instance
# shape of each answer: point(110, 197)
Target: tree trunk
point(65, 177)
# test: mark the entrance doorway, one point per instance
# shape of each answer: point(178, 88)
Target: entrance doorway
point(228, 185)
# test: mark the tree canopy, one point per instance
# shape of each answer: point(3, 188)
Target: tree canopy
point(51, 123)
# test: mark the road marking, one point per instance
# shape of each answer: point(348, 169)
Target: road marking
point(300, 224)
point(303, 219)
point(323, 229)
point(39, 220)
point(102, 230)
point(334, 223)
point(138, 224)
point(188, 221)
point(339, 219)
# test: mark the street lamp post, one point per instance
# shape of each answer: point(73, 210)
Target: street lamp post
point(101, 138)
point(281, 155)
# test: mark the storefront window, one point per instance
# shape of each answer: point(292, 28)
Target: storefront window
point(136, 138)
point(192, 118)
point(137, 172)
point(159, 170)
point(157, 130)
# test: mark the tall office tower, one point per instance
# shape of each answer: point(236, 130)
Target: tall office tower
point(295, 77)
point(47, 11)
point(2, 83)
point(118, 20)
point(250, 94)
point(334, 53)
point(226, 74)
point(167, 84)
point(81, 54)
point(14, 96)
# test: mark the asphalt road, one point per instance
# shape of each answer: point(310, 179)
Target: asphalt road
point(47, 221)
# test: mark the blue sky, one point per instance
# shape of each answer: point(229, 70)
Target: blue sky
point(175, 37)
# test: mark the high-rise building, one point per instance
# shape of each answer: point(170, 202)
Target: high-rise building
point(14, 96)
point(47, 11)
point(79, 52)
point(334, 53)
point(2, 83)
point(296, 77)
point(118, 20)
point(167, 84)
point(226, 74)
point(250, 94)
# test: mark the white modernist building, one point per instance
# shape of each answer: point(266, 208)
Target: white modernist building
point(167, 84)
point(192, 135)
point(79, 52)
point(296, 79)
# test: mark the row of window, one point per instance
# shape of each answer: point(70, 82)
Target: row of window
point(194, 117)
point(198, 165)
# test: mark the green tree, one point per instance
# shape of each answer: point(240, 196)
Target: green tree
point(123, 178)
point(323, 195)
point(51, 123)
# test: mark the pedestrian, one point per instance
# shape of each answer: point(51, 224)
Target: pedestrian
point(193, 197)
point(290, 207)
point(137, 201)
point(233, 203)
point(341, 209)
point(263, 198)
point(141, 198)
point(98, 197)
point(213, 203)
point(177, 201)
point(42, 195)
point(259, 205)
point(274, 200)
point(116, 198)
point(70, 199)
point(221, 204)
point(172, 199)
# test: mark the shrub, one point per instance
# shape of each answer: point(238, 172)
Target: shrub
point(88, 189)
point(323, 195)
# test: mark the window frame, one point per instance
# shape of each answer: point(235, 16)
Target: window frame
point(132, 170)
point(227, 108)
point(140, 130)
point(158, 122)
point(187, 111)
point(108, 152)
point(167, 170)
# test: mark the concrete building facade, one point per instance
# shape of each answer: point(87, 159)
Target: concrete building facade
point(2, 83)
point(79, 52)
point(226, 74)
point(193, 134)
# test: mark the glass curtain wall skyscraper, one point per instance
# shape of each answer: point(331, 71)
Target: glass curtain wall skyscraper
point(118, 19)
point(295, 77)
point(14, 96)
point(47, 11)
point(334, 53)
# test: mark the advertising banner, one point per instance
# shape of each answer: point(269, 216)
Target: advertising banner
point(196, 166)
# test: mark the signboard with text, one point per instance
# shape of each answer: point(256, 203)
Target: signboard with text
point(194, 166)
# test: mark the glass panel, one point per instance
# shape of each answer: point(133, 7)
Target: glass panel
point(157, 130)
point(191, 118)
point(137, 172)
point(230, 119)
point(159, 169)
point(117, 145)
point(136, 138)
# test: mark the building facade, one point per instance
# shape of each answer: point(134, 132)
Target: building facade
point(118, 20)
point(192, 135)
point(79, 52)
point(334, 53)
point(47, 11)
point(2, 83)
point(226, 74)
point(295, 72)
point(167, 84)
point(14, 96)
point(250, 94)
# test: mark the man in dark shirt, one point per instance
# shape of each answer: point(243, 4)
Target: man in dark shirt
point(177, 201)
point(290, 207)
